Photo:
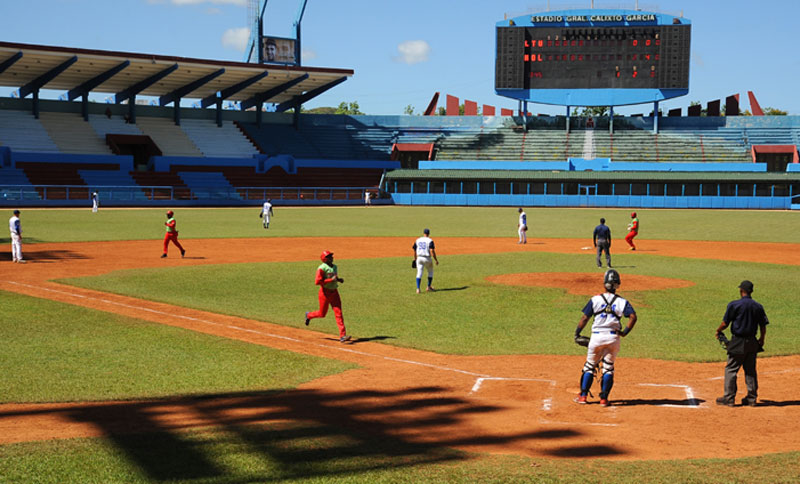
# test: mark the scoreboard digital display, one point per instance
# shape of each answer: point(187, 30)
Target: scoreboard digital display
point(593, 55)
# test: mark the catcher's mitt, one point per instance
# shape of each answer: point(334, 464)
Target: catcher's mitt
point(723, 340)
point(414, 264)
point(581, 340)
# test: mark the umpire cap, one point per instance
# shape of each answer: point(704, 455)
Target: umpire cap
point(746, 286)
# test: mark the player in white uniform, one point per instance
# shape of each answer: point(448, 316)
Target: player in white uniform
point(95, 202)
point(522, 227)
point(424, 249)
point(608, 310)
point(266, 213)
point(15, 228)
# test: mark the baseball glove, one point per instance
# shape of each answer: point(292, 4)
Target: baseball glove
point(414, 264)
point(259, 214)
point(581, 340)
point(723, 340)
point(524, 228)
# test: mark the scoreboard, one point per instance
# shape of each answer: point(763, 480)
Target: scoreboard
point(593, 50)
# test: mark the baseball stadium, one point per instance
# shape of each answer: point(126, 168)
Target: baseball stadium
point(166, 316)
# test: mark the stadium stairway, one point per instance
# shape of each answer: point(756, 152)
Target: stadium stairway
point(170, 139)
point(214, 141)
point(72, 134)
point(20, 131)
point(104, 125)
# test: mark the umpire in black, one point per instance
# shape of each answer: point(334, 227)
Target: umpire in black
point(601, 238)
point(744, 316)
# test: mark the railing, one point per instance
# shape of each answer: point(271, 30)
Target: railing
point(136, 194)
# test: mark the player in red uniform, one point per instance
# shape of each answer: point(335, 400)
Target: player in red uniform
point(633, 231)
point(328, 280)
point(171, 235)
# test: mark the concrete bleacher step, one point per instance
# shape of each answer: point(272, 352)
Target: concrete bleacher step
point(171, 139)
point(104, 125)
point(72, 134)
point(20, 131)
point(208, 182)
point(216, 141)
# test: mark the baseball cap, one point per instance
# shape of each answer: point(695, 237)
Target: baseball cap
point(633, 214)
point(16, 212)
point(426, 231)
point(746, 286)
point(325, 254)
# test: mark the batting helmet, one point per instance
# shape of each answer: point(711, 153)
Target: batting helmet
point(611, 280)
point(633, 214)
point(170, 213)
point(325, 254)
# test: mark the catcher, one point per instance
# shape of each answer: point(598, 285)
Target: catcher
point(608, 310)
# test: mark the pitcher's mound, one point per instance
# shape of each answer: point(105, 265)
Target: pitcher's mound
point(587, 284)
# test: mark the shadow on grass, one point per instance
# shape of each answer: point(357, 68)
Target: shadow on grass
point(302, 434)
point(451, 289)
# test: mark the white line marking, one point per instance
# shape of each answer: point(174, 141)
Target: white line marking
point(253, 331)
point(693, 403)
point(556, 422)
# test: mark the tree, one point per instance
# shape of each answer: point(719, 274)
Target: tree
point(409, 110)
point(321, 110)
point(774, 112)
point(441, 111)
point(351, 108)
point(591, 111)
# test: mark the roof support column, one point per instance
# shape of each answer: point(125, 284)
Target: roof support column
point(36, 103)
point(258, 114)
point(655, 117)
point(219, 111)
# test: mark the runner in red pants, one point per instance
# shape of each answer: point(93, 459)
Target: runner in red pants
point(328, 279)
point(171, 235)
point(633, 231)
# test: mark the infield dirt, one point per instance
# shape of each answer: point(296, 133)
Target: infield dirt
point(501, 404)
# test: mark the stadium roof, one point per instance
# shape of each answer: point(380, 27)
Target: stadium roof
point(589, 176)
point(77, 71)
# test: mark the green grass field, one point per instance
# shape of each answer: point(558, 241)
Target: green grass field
point(54, 225)
point(88, 355)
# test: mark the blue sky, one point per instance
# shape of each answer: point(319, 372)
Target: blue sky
point(404, 51)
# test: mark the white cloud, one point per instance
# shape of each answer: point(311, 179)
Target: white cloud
point(309, 54)
point(413, 52)
point(236, 38)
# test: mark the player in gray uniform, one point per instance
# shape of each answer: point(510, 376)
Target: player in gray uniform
point(601, 238)
point(608, 310)
point(424, 249)
point(15, 228)
point(266, 213)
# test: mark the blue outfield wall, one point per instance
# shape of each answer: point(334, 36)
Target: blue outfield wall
point(636, 201)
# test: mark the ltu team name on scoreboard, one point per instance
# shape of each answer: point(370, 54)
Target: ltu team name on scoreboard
point(549, 19)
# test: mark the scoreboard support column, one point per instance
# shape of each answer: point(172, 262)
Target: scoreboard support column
point(655, 117)
point(611, 119)
point(568, 120)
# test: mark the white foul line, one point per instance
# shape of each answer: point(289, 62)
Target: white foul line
point(253, 331)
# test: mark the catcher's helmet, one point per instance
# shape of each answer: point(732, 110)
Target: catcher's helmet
point(611, 280)
point(633, 214)
point(170, 213)
point(325, 254)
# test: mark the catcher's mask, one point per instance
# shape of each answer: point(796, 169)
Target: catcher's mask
point(611, 280)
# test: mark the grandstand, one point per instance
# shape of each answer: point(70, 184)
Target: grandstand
point(58, 152)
